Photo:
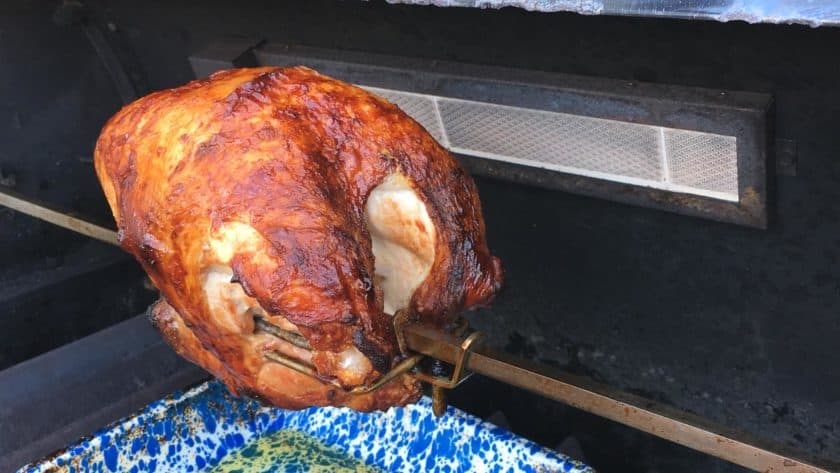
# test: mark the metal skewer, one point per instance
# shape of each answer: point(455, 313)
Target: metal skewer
point(639, 413)
point(41, 211)
point(295, 339)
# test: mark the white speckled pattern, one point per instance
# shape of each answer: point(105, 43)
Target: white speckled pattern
point(193, 431)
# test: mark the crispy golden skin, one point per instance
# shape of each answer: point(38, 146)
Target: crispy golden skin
point(246, 193)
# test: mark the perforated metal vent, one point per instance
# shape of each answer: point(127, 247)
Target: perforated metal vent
point(663, 158)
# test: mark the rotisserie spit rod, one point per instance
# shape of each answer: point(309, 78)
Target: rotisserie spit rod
point(639, 413)
point(633, 411)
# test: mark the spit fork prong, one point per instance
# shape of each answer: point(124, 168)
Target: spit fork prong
point(299, 341)
point(295, 339)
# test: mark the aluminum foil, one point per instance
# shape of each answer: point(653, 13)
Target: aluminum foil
point(807, 12)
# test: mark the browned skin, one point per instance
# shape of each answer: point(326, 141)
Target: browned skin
point(293, 155)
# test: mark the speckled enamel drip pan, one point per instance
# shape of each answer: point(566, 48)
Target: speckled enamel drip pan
point(197, 429)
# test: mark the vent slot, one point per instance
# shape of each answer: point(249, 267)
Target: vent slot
point(690, 162)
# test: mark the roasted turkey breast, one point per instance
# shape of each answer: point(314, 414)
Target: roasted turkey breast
point(312, 204)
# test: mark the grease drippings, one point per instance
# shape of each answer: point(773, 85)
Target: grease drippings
point(289, 450)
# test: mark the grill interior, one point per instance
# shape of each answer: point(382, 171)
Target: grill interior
point(720, 319)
